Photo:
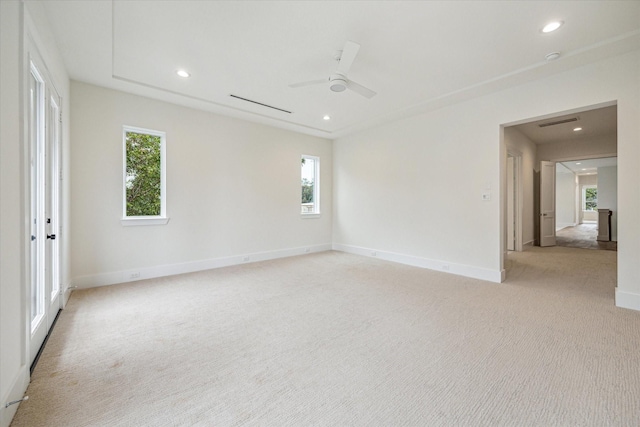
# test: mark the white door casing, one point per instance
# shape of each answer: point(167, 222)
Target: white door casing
point(547, 203)
point(511, 229)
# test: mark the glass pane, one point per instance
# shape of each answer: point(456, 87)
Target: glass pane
point(308, 176)
point(144, 174)
point(52, 195)
point(36, 157)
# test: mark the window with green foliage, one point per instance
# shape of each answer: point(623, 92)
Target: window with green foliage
point(310, 174)
point(590, 198)
point(144, 173)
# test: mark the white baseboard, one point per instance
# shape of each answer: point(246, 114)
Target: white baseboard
point(132, 275)
point(446, 267)
point(627, 300)
point(16, 392)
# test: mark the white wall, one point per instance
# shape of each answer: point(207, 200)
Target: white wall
point(233, 190)
point(13, 373)
point(407, 188)
point(22, 32)
point(588, 179)
point(566, 194)
point(608, 195)
point(516, 141)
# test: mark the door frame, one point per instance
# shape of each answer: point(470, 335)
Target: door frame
point(517, 199)
point(548, 207)
point(42, 176)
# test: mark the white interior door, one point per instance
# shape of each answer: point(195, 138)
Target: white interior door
point(44, 154)
point(547, 203)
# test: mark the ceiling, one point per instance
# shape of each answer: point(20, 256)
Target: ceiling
point(416, 55)
point(596, 123)
point(589, 166)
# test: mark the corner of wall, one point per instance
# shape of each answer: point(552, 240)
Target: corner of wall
point(16, 392)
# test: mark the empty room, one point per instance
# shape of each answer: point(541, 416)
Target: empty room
point(283, 213)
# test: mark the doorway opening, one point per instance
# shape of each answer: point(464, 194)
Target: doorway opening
point(586, 192)
point(581, 143)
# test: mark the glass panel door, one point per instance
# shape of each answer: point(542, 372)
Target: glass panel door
point(44, 149)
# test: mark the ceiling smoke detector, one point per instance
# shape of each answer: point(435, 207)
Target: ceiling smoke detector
point(552, 56)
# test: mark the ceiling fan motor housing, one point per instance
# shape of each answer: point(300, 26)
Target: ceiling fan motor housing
point(338, 83)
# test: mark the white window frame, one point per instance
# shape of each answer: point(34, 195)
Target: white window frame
point(316, 188)
point(145, 220)
point(584, 197)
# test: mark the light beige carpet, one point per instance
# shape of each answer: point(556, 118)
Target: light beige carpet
point(334, 339)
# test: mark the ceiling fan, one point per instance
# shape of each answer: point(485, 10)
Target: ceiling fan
point(338, 81)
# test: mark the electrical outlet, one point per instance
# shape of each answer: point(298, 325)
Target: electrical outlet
point(245, 259)
point(374, 253)
point(134, 275)
point(445, 267)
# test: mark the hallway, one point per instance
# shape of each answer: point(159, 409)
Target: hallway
point(583, 236)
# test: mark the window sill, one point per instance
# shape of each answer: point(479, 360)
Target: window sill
point(140, 220)
point(309, 215)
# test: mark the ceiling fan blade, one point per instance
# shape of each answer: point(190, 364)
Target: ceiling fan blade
point(349, 53)
point(361, 90)
point(309, 83)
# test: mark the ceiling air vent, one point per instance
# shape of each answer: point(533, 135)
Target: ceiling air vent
point(260, 103)
point(558, 122)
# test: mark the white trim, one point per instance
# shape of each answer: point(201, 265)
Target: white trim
point(16, 392)
point(519, 196)
point(143, 220)
point(431, 264)
point(133, 275)
point(628, 300)
point(310, 215)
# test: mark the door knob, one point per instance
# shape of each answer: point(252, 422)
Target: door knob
point(51, 236)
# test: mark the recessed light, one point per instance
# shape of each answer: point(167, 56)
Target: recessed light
point(326, 117)
point(578, 163)
point(552, 26)
point(183, 73)
point(584, 169)
point(577, 129)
